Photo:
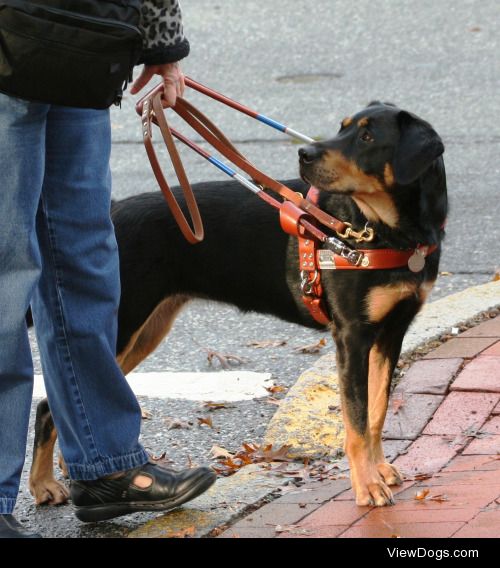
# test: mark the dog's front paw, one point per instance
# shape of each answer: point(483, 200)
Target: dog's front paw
point(372, 490)
point(390, 474)
point(49, 492)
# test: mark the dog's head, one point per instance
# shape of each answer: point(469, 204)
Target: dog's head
point(375, 150)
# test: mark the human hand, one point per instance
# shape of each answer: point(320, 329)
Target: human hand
point(173, 81)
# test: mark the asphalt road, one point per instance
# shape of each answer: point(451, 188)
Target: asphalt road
point(309, 64)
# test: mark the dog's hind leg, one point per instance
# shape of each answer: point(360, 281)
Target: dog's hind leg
point(152, 332)
point(43, 486)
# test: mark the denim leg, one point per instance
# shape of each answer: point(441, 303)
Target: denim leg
point(22, 147)
point(75, 305)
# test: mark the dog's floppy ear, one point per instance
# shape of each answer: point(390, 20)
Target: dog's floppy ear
point(419, 145)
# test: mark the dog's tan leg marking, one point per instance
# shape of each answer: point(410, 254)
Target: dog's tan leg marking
point(379, 378)
point(368, 485)
point(42, 484)
point(382, 299)
point(147, 338)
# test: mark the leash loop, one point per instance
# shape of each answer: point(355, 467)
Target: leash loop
point(152, 109)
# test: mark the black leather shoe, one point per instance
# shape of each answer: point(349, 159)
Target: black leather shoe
point(108, 498)
point(10, 528)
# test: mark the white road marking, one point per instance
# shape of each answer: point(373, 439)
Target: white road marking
point(226, 386)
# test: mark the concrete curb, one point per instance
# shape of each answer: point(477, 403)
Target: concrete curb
point(309, 418)
point(440, 316)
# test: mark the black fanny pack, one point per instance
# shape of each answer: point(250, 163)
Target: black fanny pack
point(78, 53)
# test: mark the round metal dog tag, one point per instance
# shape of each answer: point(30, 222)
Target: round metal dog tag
point(416, 262)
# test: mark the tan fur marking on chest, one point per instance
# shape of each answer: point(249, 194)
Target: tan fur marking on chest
point(382, 299)
point(378, 207)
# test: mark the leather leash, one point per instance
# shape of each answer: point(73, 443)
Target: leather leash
point(207, 130)
point(298, 215)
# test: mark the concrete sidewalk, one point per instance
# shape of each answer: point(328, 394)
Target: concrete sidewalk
point(444, 420)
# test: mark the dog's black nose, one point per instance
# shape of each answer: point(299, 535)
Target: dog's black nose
point(310, 154)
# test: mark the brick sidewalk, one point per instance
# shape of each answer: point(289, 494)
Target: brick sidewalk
point(446, 429)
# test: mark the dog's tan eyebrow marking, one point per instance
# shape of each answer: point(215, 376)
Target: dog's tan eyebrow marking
point(362, 122)
point(346, 122)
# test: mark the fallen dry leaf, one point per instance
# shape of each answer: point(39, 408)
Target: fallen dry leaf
point(421, 495)
point(294, 529)
point(264, 344)
point(316, 470)
point(216, 452)
point(276, 389)
point(311, 349)
point(496, 276)
point(145, 414)
point(269, 455)
point(161, 459)
point(226, 360)
point(441, 498)
point(205, 420)
point(209, 405)
point(398, 403)
point(422, 476)
point(248, 454)
point(272, 400)
point(176, 424)
point(184, 533)
point(217, 531)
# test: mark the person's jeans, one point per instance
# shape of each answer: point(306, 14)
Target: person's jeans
point(58, 251)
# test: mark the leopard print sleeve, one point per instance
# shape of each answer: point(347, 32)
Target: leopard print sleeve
point(161, 24)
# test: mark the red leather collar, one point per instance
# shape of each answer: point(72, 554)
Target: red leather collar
point(313, 260)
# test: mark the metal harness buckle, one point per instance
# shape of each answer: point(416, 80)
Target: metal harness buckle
point(307, 284)
point(353, 256)
point(365, 236)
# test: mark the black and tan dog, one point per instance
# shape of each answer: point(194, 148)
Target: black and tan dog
point(384, 167)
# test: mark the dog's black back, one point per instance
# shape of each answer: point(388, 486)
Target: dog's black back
point(242, 261)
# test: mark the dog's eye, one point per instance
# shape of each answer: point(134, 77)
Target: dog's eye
point(366, 137)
